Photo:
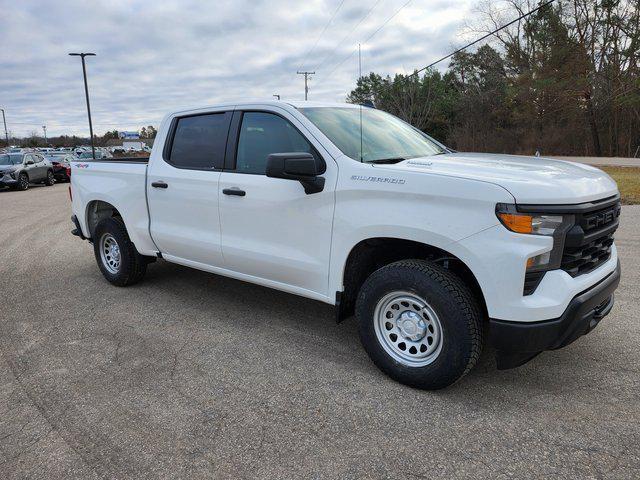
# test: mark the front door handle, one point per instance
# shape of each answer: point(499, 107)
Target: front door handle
point(159, 185)
point(234, 191)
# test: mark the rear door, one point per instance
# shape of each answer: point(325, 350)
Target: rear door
point(271, 229)
point(41, 166)
point(31, 167)
point(182, 189)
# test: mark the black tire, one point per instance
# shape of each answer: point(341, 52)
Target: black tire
point(457, 310)
point(50, 180)
point(132, 265)
point(23, 182)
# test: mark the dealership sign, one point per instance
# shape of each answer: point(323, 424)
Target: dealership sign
point(130, 135)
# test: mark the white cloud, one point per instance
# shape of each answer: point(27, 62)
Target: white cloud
point(157, 56)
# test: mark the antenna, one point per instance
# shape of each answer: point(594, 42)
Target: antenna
point(360, 78)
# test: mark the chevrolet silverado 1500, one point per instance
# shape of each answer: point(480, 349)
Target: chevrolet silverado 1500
point(434, 251)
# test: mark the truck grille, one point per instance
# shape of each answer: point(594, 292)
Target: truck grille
point(588, 243)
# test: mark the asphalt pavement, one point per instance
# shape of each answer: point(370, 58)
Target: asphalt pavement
point(193, 375)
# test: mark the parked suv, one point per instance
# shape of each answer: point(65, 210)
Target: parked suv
point(18, 170)
point(431, 249)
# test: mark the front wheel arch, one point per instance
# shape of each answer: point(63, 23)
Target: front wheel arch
point(374, 253)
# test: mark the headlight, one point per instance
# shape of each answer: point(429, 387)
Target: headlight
point(530, 223)
point(546, 224)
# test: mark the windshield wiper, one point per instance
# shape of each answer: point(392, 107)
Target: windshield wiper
point(387, 161)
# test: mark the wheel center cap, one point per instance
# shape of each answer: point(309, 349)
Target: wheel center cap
point(412, 326)
point(115, 252)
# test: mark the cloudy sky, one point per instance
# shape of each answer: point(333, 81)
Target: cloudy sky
point(156, 56)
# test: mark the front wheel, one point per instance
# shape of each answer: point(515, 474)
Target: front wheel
point(419, 323)
point(23, 182)
point(117, 257)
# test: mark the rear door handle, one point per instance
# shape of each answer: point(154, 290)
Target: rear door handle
point(159, 185)
point(234, 191)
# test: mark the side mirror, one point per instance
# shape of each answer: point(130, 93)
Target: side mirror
point(300, 166)
point(30, 162)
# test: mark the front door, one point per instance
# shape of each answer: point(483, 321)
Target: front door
point(182, 188)
point(274, 231)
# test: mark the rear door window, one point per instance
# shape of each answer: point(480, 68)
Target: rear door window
point(199, 141)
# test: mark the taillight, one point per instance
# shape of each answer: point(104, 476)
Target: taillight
point(69, 172)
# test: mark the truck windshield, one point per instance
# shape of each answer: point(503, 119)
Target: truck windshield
point(385, 138)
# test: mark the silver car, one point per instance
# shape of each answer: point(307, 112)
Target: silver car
point(18, 170)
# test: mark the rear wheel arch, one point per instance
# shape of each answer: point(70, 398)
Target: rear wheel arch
point(98, 210)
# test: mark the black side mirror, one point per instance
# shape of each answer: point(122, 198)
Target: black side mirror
point(296, 166)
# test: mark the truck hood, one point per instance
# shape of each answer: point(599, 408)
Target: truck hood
point(531, 180)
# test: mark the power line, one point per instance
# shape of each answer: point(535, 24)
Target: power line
point(335, 12)
point(369, 38)
point(417, 72)
point(351, 32)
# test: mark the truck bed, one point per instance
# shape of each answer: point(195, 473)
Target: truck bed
point(117, 181)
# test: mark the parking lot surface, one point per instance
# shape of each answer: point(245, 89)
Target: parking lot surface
point(193, 375)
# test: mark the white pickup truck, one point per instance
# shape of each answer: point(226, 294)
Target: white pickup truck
point(434, 251)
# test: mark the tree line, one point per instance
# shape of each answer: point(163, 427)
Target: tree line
point(562, 81)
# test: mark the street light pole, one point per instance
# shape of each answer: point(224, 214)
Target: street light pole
point(4, 120)
point(86, 92)
point(44, 129)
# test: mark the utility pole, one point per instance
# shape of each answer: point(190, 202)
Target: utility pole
point(4, 120)
point(306, 84)
point(86, 92)
point(44, 129)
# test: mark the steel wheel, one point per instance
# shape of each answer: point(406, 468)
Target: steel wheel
point(408, 329)
point(110, 253)
point(50, 178)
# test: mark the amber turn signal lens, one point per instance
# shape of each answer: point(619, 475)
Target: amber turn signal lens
point(517, 223)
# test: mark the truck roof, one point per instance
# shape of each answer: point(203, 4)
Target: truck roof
point(269, 102)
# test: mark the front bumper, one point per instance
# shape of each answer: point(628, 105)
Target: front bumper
point(7, 181)
point(518, 342)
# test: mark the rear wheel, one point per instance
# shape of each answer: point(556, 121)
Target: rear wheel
point(23, 182)
point(419, 323)
point(50, 180)
point(117, 257)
